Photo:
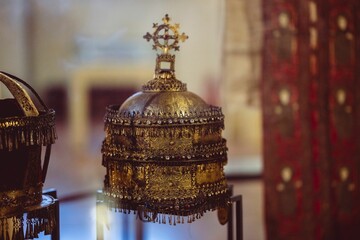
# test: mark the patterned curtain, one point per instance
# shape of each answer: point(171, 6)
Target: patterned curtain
point(310, 89)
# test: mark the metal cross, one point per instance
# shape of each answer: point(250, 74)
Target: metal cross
point(166, 36)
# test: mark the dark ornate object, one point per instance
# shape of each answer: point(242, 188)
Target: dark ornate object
point(24, 129)
point(163, 150)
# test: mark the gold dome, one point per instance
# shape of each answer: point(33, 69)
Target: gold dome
point(163, 149)
point(167, 103)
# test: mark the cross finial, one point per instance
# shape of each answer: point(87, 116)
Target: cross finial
point(166, 36)
point(166, 19)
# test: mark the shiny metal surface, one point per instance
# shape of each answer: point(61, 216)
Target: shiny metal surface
point(163, 150)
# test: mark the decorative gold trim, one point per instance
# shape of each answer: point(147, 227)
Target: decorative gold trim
point(17, 200)
point(31, 130)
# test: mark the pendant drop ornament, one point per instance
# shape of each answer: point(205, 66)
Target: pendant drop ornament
point(223, 215)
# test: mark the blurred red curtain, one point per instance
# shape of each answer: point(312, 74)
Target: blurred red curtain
point(311, 118)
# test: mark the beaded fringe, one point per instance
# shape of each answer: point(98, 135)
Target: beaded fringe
point(173, 217)
point(28, 226)
point(10, 139)
point(161, 218)
point(168, 219)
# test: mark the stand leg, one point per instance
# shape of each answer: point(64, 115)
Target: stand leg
point(239, 219)
point(56, 231)
point(99, 209)
point(139, 230)
point(230, 226)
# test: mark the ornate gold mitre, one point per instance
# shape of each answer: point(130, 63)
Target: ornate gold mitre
point(163, 151)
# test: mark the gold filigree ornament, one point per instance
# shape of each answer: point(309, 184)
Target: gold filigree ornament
point(24, 129)
point(163, 150)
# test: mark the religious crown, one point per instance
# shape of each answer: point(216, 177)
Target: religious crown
point(163, 151)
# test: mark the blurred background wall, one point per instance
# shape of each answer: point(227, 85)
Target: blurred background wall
point(74, 52)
